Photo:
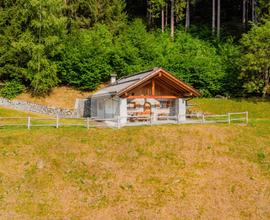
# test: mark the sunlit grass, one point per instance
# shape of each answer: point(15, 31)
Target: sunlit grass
point(257, 108)
point(217, 171)
point(10, 117)
point(8, 112)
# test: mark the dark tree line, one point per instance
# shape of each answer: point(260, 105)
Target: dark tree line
point(80, 43)
point(186, 12)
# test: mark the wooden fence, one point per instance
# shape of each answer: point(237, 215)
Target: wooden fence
point(198, 118)
point(195, 118)
point(56, 122)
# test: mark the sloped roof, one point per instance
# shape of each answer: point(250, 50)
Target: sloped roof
point(123, 83)
point(128, 82)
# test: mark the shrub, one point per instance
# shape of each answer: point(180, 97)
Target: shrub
point(11, 89)
point(85, 61)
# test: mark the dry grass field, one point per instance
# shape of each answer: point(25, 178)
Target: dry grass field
point(62, 97)
point(159, 172)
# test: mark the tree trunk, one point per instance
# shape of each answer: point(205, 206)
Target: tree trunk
point(162, 20)
point(247, 10)
point(244, 14)
point(213, 16)
point(187, 15)
point(253, 10)
point(266, 82)
point(149, 16)
point(172, 18)
point(166, 14)
point(218, 19)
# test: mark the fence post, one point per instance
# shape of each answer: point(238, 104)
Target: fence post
point(229, 118)
point(57, 121)
point(178, 118)
point(118, 121)
point(87, 122)
point(246, 117)
point(28, 122)
point(203, 118)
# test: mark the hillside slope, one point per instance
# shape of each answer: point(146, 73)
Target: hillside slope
point(61, 97)
point(158, 172)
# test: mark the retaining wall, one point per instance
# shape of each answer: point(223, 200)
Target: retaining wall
point(32, 107)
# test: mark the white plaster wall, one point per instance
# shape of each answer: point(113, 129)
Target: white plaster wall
point(181, 109)
point(106, 107)
point(100, 108)
point(110, 108)
point(123, 111)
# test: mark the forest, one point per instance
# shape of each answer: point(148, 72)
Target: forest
point(221, 47)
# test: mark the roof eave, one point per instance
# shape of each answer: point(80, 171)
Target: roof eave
point(121, 92)
point(103, 94)
point(193, 92)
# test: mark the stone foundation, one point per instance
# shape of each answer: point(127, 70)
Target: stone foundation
point(41, 109)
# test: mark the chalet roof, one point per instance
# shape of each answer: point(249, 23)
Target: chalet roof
point(123, 83)
point(131, 81)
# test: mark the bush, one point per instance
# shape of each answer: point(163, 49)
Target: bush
point(255, 60)
point(91, 55)
point(85, 61)
point(11, 89)
point(192, 60)
point(230, 54)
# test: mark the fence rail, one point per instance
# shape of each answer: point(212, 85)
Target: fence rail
point(198, 118)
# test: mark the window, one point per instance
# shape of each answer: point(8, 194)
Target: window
point(166, 104)
point(133, 105)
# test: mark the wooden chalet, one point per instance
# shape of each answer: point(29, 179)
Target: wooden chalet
point(156, 93)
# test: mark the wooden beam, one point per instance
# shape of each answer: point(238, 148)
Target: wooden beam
point(168, 83)
point(182, 84)
point(171, 80)
point(152, 97)
point(140, 86)
point(167, 87)
point(153, 87)
point(187, 94)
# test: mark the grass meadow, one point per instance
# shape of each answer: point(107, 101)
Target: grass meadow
point(208, 171)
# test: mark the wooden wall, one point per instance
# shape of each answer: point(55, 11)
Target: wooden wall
point(154, 87)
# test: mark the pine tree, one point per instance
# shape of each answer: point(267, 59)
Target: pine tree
point(85, 13)
point(33, 42)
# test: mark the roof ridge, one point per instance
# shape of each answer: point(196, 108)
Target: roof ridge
point(138, 73)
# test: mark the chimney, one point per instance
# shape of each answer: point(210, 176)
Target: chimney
point(113, 78)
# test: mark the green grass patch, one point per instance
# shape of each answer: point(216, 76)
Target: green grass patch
point(257, 108)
